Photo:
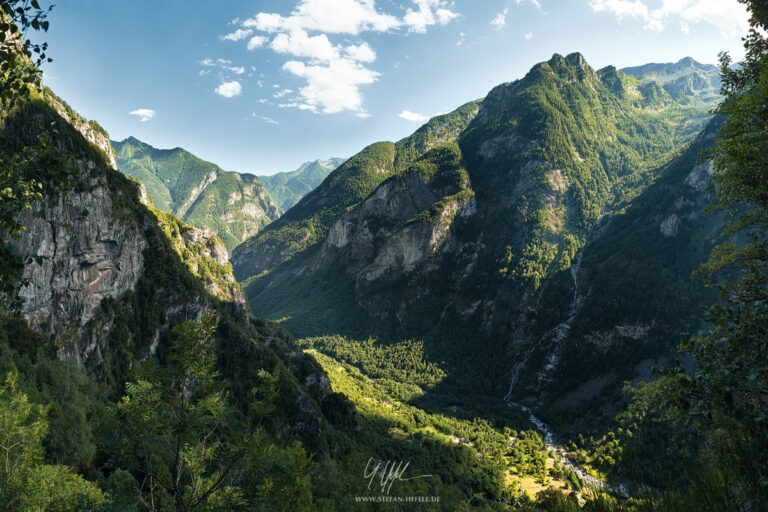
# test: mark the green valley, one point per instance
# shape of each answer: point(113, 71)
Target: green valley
point(552, 298)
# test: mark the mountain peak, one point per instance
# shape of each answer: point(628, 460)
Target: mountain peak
point(576, 59)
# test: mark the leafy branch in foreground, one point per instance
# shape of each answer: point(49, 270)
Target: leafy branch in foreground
point(189, 448)
point(726, 395)
point(26, 484)
point(20, 58)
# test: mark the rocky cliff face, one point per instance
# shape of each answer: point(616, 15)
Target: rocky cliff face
point(87, 254)
point(400, 229)
point(305, 225)
point(115, 275)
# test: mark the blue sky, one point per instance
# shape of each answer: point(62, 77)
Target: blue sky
point(263, 85)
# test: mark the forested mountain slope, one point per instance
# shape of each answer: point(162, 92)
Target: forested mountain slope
point(472, 243)
point(112, 278)
point(307, 223)
point(231, 205)
point(287, 188)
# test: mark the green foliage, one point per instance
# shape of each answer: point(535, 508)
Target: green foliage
point(723, 396)
point(26, 482)
point(19, 57)
point(181, 410)
point(400, 362)
point(467, 455)
point(190, 447)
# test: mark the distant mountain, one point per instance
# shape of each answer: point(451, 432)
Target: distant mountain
point(685, 79)
point(287, 188)
point(487, 231)
point(233, 206)
point(308, 222)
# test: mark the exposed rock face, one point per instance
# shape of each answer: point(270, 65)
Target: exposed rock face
point(115, 276)
point(398, 230)
point(670, 225)
point(87, 255)
point(211, 246)
point(700, 176)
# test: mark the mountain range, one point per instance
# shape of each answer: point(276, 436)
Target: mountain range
point(232, 205)
point(484, 234)
point(510, 263)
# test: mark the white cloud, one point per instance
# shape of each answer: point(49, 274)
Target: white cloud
point(500, 20)
point(429, 12)
point(269, 120)
point(330, 16)
point(535, 3)
point(283, 92)
point(299, 44)
point(224, 64)
point(145, 114)
point(729, 16)
point(229, 89)
point(335, 72)
point(361, 53)
point(412, 116)
point(528, 35)
point(256, 42)
point(331, 88)
point(237, 35)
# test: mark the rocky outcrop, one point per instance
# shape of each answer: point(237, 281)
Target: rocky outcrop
point(399, 230)
point(108, 278)
point(86, 255)
point(210, 246)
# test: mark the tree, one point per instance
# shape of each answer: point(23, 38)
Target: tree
point(20, 58)
point(731, 382)
point(727, 394)
point(26, 484)
point(190, 448)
